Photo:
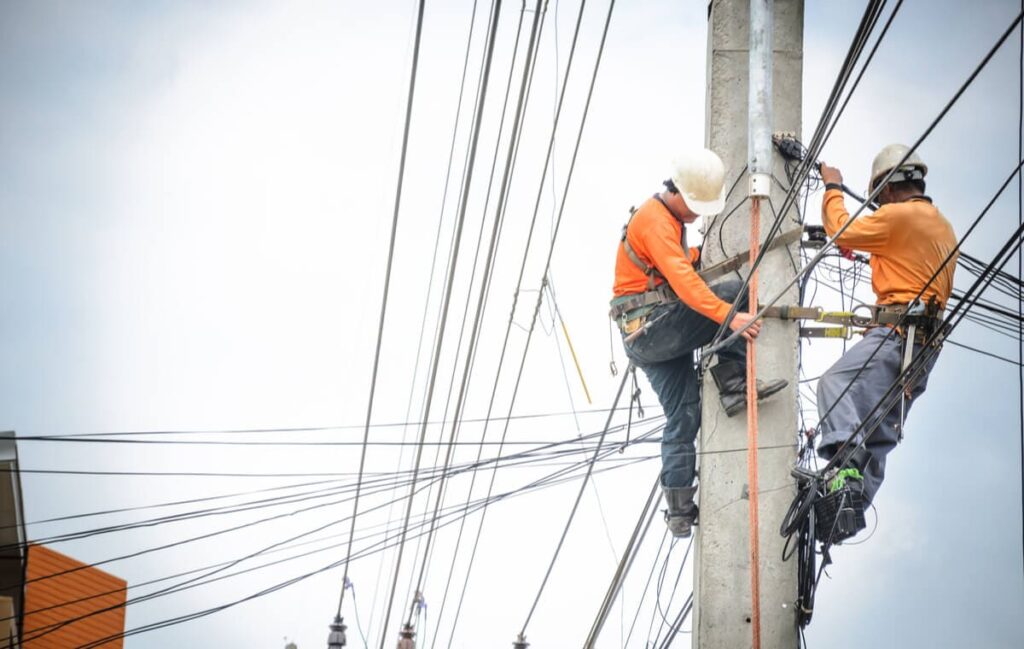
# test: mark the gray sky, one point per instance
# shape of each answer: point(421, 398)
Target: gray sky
point(195, 203)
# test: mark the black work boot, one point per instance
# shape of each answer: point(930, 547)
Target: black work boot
point(731, 379)
point(681, 514)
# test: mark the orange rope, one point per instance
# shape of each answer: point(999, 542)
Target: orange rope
point(755, 546)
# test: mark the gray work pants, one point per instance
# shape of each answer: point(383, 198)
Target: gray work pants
point(855, 406)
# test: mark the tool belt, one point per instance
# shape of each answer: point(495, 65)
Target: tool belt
point(630, 311)
point(919, 320)
point(625, 303)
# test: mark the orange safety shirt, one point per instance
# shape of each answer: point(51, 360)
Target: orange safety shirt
point(656, 237)
point(908, 242)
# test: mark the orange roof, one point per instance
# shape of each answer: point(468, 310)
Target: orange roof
point(59, 590)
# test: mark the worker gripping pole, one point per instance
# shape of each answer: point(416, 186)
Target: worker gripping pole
point(759, 152)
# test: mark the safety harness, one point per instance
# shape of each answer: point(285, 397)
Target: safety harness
point(628, 310)
point(647, 269)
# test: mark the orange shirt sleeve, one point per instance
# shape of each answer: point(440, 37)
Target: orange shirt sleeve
point(869, 233)
point(661, 240)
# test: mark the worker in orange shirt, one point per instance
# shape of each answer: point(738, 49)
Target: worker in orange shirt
point(666, 311)
point(910, 242)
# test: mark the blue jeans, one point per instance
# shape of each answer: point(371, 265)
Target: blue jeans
point(665, 354)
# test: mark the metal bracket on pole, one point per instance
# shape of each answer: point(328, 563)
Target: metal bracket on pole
point(759, 185)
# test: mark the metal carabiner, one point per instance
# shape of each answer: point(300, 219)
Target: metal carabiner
point(862, 321)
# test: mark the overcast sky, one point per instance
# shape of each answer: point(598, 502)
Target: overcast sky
point(195, 204)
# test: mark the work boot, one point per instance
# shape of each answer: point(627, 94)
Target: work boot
point(681, 514)
point(731, 379)
point(851, 470)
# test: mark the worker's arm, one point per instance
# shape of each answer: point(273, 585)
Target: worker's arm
point(869, 233)
point(661, 241)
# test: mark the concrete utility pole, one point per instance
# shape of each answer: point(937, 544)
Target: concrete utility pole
point(741, 106)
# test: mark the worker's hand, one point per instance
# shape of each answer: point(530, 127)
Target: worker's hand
point(740, 320)
point(830, 174)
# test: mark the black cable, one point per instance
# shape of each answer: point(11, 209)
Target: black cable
point(881, 184)
point(529, 67)
point(863, 69)
point(491, 261)
point(480, 304)
point(481, 102)
point(570, 450)
point(568, 181)
point(456, 424)
point(684, 612)
point(513, 149)
point(173, 503)
point(533, 221)
point(308, 429)
point(391, 255)
point(572, 515)
point(656, 611)
point(982, 352)
point(868, 21)
point(544, 480)
point(647, 585)
point(672, 595)
point(636, 540)
point(437, 239)
point(293, 545)
point(1020, 267)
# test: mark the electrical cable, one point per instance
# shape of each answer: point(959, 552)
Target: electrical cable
point(881, 184)
point(587, 463)
point(1020, 269)
point(549, 480)
point(496, 9)
point(391, 255)
point(480, 305)
point(437, 248)
point(543, 282)
point(626, 562)
point(249, 431)
point(868, 21)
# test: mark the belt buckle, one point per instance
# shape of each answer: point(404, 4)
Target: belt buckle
point(631, 326)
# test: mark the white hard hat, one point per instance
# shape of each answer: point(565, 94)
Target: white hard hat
point(699, 175)
point(913, 168)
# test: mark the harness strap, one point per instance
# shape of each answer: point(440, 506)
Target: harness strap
point(648, 269)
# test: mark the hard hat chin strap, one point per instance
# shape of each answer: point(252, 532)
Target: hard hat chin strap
point(904, 174)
